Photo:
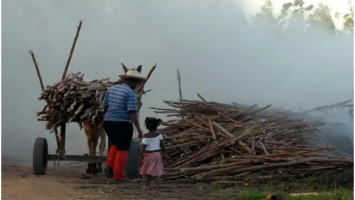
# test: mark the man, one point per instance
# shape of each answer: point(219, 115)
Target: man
point(121, 110)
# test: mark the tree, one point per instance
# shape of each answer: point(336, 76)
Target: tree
point(293, 15)
point(296, 15)
point(265, 18)
point(322, 18)
point(348, 24)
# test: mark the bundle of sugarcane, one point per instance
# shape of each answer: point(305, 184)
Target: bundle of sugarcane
point(73, 99)
point(213, 140)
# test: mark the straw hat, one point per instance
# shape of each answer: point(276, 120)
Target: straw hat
point(132, 74)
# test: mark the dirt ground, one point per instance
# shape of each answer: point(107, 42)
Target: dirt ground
point(68, 182)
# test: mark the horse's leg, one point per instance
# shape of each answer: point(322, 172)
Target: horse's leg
point(57, 140)
point(88, 128)
point(102, 136)
point(93, 152)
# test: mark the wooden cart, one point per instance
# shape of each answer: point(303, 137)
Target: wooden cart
point(40, 148)
point(41, 156)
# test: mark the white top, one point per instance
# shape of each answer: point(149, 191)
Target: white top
point(152, 143)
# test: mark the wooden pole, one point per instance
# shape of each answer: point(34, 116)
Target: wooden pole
point(72, 50)
point(151, 71)
point(37, 69)
point(328, 106)
point(201, 97)
point(141, 86)
point(180, 92)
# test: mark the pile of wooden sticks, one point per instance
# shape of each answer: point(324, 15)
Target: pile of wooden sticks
point(224, 141)
point(73, 99)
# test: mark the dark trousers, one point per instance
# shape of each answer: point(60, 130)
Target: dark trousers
point(119, 133)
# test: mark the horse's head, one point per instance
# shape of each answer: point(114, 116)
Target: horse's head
point(138, 91)
point(125, 69)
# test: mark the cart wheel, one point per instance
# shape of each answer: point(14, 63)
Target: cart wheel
point(132, 167)
point(40, 156)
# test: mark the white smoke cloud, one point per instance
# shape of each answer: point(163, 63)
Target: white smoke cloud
point(219, 54)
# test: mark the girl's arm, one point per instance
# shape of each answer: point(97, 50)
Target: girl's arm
point(142, 147)
point(141, 150)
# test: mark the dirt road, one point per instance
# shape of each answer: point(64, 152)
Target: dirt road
point(68, 182)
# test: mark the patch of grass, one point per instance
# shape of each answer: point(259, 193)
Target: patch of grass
point(252, 194)
point(311, 179)
point(336, 194)
point(310, 184)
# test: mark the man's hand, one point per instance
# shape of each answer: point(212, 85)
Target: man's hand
point(140, 133)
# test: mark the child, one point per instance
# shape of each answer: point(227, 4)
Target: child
point(152, 146)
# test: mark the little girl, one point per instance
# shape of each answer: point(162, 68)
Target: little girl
point(152, 146)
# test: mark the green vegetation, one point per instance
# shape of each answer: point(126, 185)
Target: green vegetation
point(310, 188)
point(307, 17)
point(336, 194)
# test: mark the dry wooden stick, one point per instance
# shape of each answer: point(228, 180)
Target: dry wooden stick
point(151, 71)
point(147, 78)
point(203, 99)
point(297, 153)
point(214, 135)
point(222, 129)
point(72, 50)
point(327, 106)
point(37, 69)
point(180, 93)
point(235, 170)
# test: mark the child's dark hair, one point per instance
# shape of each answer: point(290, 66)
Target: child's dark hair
point(152, 123)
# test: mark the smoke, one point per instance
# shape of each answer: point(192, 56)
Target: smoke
point(220, 55)
point(336, 130)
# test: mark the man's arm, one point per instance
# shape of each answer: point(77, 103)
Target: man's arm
point(132, 111)
point(134, 117)
point(105, 101)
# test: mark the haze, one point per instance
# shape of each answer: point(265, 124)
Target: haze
point(218, 53)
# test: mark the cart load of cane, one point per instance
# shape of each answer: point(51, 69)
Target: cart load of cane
point(215, 141)
point(73, 100)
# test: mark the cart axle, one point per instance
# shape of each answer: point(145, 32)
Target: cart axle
point(84, 158)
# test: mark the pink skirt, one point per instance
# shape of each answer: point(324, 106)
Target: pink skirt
point(153, 164)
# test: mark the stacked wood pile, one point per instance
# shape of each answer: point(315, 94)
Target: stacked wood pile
point(220, 141)
point(73, 99)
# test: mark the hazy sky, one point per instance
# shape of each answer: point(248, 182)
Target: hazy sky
point(219, 55)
